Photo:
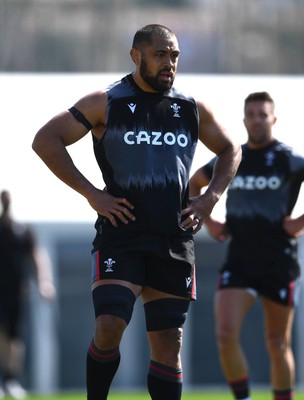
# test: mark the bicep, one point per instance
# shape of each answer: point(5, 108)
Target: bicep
point(94, 108)
point(66, 128)
point(63, 127)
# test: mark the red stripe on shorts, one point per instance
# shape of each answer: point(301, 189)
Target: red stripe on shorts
point(291, 293)
point(97, 265)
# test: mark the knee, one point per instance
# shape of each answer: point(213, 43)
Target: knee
point(277, 345)
point(108, 331)
point(166, 346)
point(113, 306)
point(169, 339)
point(164, 322)
point(225, 337)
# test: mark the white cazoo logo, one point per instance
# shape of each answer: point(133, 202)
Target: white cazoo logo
point(255, 182)
point(155, 138)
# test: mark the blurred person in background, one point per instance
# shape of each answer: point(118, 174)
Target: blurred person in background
point(144, 134)
point(18, 255)
point(262, 256)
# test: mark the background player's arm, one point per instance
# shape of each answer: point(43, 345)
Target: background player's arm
point(44, 273)
point(40, 264)
point(198, 181)
point(294, 226)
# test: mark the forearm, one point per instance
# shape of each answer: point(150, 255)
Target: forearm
point(44, 273)
point(224, 170)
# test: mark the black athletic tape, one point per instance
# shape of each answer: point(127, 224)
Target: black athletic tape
point(80, 117)
point(165, 313)
point(115, 300)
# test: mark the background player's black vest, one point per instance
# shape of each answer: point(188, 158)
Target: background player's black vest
point(262, 193)
point(147, 152)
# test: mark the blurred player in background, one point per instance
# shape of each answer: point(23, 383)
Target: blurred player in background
point(18, 254)
point(262, 256)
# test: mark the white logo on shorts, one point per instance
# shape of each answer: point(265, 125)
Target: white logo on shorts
point(109, 263)
point(283, 293)
point(188, 282)
point(225, 277)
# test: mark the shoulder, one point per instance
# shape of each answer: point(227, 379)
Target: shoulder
point(120, 87)
point(204, 110)
point(296, 159)
point(92, 101)
point(281, 147)
point(98, 100)
point(94, 106)
point(176, 91)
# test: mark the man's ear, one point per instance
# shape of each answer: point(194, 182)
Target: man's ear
point(135, 55)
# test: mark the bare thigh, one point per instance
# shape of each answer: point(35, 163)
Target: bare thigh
point(231, 306)
point(278, 320)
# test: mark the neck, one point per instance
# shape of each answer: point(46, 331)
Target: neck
point(142, 84)
point(5, 215)
point(255, 146)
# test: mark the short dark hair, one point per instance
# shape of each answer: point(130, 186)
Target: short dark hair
point(145, 34)
point(259, 96)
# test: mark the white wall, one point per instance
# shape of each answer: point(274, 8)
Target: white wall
point(27, 101)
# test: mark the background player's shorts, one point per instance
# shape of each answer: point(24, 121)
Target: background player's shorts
point(165, 263)
point(10, 311)
point(278, 286)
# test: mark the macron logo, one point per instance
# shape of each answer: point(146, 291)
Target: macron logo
point(132, 107)
point(188, 282)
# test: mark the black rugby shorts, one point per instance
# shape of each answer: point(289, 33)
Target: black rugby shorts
point(162, 262)
point(10, 311)
point(280, 285)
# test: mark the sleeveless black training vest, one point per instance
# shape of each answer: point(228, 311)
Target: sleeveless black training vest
point(146, 154)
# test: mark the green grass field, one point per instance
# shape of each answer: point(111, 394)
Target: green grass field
point(204, 395)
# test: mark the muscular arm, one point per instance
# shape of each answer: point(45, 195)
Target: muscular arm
point(228, 152)
point(216, 139)
point(50, 144)
point(61, 131)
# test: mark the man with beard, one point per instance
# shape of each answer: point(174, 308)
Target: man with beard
point(261, 257)
point(144, 136)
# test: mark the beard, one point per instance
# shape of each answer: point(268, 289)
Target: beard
point(155, 82)
point(259, 138)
